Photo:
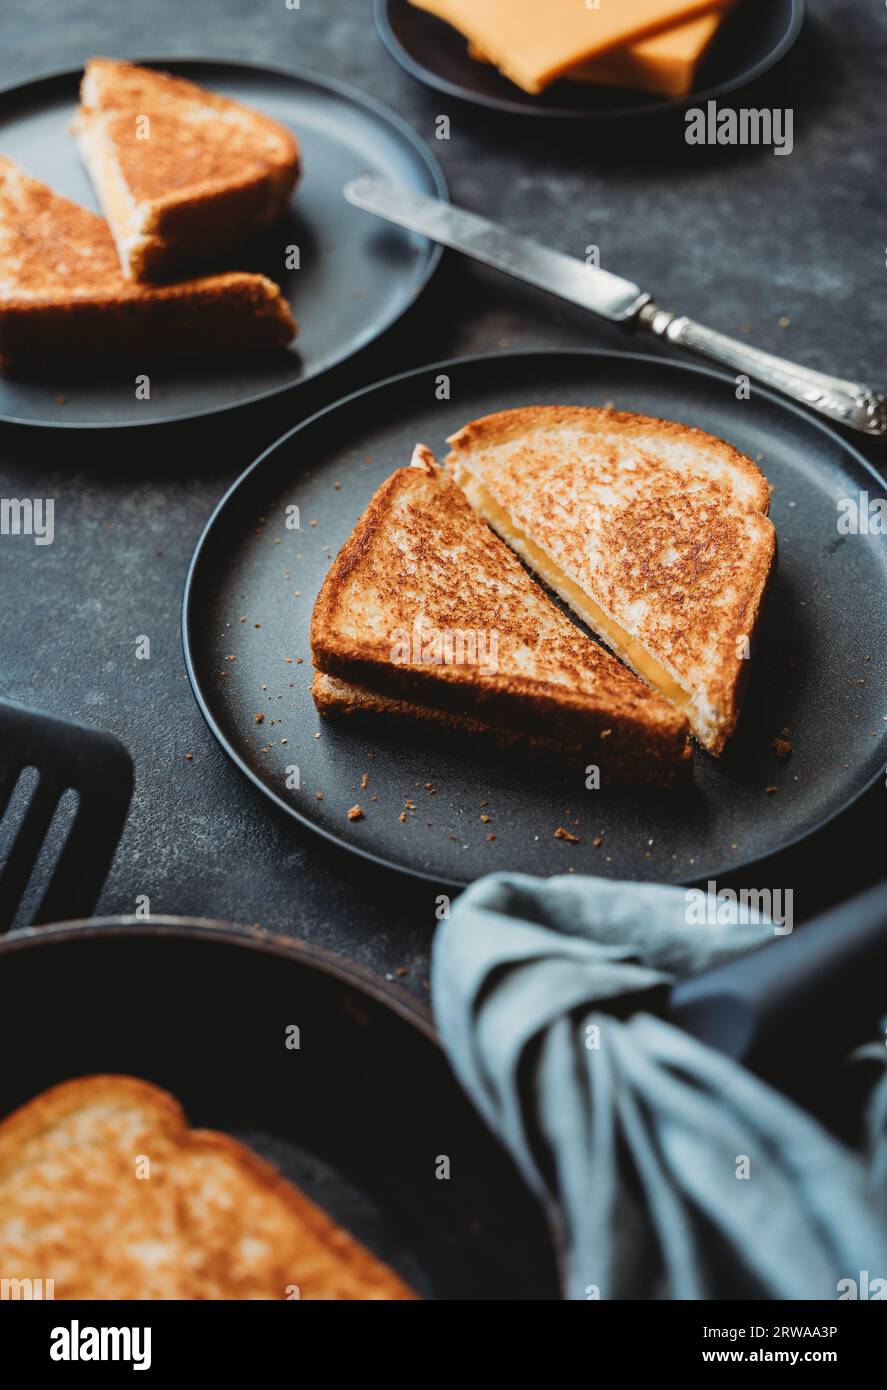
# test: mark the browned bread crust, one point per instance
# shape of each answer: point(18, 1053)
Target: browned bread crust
point(663, 526)
point(420, 553)
point(180, 172)
point(212, 1220)
point(354, 705)
point(64, 299)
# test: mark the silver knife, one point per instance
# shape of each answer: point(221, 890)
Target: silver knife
point(850, 403)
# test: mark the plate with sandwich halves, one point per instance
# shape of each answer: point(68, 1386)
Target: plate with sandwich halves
point(549, 611)
point(174, 241)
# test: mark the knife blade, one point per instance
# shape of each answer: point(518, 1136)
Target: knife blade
point(851, 403)
point(588, 286)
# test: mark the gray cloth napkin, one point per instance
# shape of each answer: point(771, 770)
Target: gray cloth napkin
point(635, 1136)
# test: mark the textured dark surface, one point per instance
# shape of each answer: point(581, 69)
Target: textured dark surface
point(733, 237)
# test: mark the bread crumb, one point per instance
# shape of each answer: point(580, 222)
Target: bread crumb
point(563, 834)
point(260, 718)
point(355, 813)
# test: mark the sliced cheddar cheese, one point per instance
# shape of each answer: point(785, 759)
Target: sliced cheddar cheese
point(665, 64)
point(535, 41)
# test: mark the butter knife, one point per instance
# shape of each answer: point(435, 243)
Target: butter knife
point(852, 404)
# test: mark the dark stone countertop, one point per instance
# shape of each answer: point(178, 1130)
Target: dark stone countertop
point(731, 237)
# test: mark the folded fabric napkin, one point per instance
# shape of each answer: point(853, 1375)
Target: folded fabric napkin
point(666, 1170)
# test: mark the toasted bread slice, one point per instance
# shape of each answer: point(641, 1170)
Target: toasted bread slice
point(656, 534)
point(180, 173)
point(425, 613)
point(63, 299)
point(105, 1190)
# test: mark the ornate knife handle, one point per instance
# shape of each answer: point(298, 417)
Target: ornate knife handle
point(851, 404)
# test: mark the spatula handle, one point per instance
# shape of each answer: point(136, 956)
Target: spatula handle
point(799, 1000)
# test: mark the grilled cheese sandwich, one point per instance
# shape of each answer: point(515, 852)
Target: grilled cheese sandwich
point(181, 173)
point(616, 638)
point(64, 300)
point(656, 535)
point(426, 616)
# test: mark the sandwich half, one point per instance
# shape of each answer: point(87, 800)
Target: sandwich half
point(180, 173)
point(655, 534)
point(105, 1190)
point(64, 300)
point(426, 616)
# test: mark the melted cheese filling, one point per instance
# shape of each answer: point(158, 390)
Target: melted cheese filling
point(616, 637)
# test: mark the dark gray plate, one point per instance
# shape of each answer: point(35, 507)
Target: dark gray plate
point(751, 41)
point(821, 669)
point(356, 277)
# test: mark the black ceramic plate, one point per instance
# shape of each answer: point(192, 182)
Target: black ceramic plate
point(356, 1116)
point(750, 42)
point(355, 278)
point(821, 669)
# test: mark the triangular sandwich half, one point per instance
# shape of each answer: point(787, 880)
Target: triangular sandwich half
point(426, 615)
point(63, 299)
point(180, 172)
point(656, 535)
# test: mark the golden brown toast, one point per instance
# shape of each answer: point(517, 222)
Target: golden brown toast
point(425, 614)
point(63, 298)
point(180, 173)
point(210, 1221)
point(655, 533)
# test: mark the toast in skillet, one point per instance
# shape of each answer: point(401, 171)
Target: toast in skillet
point(210, 1220)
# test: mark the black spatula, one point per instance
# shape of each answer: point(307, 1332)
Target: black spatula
point(65, 756)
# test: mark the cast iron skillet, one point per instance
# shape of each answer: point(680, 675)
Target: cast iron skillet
point(359, 1116)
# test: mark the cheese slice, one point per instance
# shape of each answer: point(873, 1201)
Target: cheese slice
point(665, 64)
point(617, 639)
point(533, 42)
